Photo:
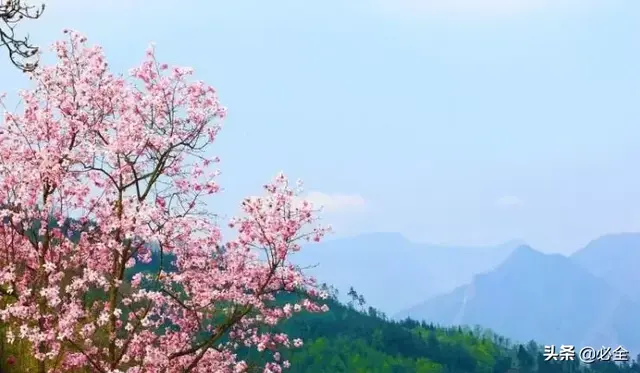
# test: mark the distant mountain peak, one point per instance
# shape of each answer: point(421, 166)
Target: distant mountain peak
point(613, 257)
point(526, 250)
point(524, 258)
point(616, 244)
point(627, 239)
point(619, 235)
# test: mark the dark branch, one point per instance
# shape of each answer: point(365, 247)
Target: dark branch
point(20, 50)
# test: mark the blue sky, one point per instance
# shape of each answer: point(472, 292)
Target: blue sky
point(463, 122)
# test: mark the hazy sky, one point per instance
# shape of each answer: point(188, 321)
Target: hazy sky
point(457, 121)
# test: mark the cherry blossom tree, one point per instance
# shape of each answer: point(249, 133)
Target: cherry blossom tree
point(21, 51)
point(128, 160)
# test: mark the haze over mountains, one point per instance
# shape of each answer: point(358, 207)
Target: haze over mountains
point(589, 298)
point(394, 273)
point(615, 258)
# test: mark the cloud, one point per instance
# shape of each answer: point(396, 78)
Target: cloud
point(475, 8)
point(335, 202)
point(509, 201)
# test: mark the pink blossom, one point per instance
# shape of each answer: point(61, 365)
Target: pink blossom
point(127, 158)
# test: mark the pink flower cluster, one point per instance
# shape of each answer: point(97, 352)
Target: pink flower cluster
point(126, 159)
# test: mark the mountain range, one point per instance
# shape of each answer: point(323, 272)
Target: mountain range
point(394, 273)
point(588, 298)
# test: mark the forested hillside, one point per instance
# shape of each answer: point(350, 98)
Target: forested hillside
point(350, 339)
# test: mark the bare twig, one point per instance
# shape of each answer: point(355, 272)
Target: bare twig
point(20, 49)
